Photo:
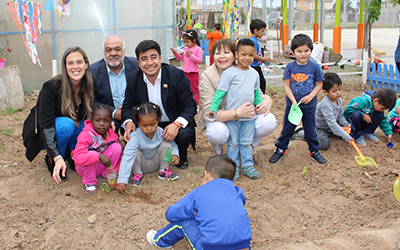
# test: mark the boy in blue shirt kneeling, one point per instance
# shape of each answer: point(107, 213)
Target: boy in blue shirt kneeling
point(212, 216)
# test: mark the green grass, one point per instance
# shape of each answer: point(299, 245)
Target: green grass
point(6, 132)
point(9, 111)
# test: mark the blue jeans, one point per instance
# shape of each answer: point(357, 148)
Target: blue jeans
point(241, 134)
point(66, 133)
point(310, 132)
point(359, 126)
point(175, 231)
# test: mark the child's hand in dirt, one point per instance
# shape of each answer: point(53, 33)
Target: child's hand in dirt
point(367, 118)
point(105, 160)
point(175, 160)
point(389, 138)
point(121, 187)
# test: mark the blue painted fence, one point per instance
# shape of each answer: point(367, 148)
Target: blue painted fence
point(382, 76)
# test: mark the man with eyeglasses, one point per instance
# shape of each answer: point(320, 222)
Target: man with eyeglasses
point(109, 77)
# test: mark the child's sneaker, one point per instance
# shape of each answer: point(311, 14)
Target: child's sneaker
point(360, 141)
point(167, 174)
point(251, 172)
point(150, 238)
point(372, 137)
point(277, 156)
point(90, 189)
point(135, 180)
point(318, 158)
point(237, 175)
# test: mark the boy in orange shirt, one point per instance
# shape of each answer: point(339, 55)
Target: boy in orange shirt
point(214, 36)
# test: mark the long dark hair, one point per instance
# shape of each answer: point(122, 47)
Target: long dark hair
point(68, 106)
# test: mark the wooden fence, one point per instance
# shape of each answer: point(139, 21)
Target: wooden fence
point(382, 76)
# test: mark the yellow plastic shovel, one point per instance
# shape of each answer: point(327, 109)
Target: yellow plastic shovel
point(396, 188)
point(361, 160)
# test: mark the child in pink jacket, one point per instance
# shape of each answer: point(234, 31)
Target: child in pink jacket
point(192, 56)
point(97, 148)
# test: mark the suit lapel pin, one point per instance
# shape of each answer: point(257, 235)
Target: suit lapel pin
point(165, 86)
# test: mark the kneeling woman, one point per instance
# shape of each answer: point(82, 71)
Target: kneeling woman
point(217, 131)
point(64, 103)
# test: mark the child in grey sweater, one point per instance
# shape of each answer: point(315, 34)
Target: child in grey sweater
point(329, 115)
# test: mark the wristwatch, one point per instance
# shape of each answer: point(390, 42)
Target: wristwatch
point(235, 116)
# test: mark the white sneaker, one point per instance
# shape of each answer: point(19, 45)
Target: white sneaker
point(150, 238)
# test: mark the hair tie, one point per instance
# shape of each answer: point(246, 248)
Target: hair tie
point(154, 106)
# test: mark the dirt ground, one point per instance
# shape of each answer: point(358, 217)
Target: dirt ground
point(337, 206)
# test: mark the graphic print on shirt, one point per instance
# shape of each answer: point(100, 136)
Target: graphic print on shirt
point(301, 84)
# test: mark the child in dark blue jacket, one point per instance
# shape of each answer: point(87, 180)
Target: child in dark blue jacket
point(212, 216)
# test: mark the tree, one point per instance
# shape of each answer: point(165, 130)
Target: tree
point(373, 11)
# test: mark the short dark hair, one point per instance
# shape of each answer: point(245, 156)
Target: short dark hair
point(145, 108)
point(331, 79)
point(221, 166)
point(217, 26)
point(300, 40)
point(100, 106)
point(257, 24)
point(245, 42)
point(223, 44)
point(146, 45)
point(386, 97)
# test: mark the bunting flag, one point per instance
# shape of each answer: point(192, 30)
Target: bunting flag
point(236, 20)
point(63, 8)
point(28, 16)
point(249, 12)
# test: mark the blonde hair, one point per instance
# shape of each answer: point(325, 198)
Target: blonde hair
point(68, 106)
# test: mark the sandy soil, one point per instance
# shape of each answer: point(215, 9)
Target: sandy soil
point(337, 206)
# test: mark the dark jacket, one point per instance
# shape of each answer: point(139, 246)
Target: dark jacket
point(176, 96)
point(101, 83)
point(39, 127)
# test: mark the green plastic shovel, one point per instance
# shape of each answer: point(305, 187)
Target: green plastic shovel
point(199, 26)
point(295, 114)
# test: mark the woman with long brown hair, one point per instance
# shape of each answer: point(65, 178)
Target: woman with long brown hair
point(65, 101)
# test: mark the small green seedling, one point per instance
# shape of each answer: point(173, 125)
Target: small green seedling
point(348, 174)
point(168, 155)
point(305, 171)
point(199, 152)
point(106, 188)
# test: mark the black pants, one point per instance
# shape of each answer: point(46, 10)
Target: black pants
point(262, 79)
point(185, 137)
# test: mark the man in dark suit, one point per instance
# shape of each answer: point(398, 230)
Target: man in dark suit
point(109, 76)
point(166, 86)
